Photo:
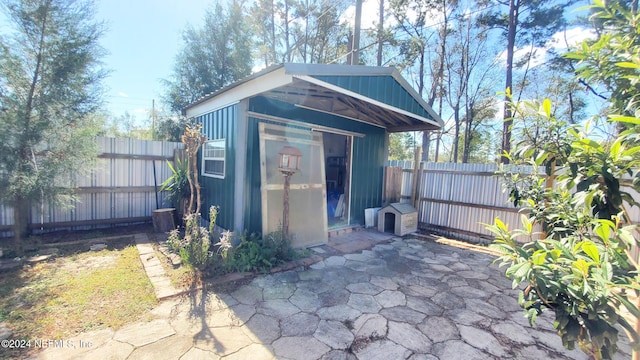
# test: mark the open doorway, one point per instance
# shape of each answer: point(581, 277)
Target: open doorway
point(336, 152)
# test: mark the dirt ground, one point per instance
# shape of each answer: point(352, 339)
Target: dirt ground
point(73, 241)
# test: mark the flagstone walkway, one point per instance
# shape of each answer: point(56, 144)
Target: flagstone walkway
point(403, 299)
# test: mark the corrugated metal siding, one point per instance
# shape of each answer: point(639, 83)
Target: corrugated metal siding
point(471, 184)
point(463, 186)
point(221, 124)
point(110, 173)
point(253, 198)
point(381, 88)
point(368, 158)
point(367, 175)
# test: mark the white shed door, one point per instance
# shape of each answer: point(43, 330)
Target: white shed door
point(307, 194)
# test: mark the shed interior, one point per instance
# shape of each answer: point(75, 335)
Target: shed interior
point(337, 176)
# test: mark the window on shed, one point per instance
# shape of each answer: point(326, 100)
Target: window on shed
point(213, 158)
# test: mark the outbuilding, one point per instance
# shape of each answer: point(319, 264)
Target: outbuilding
point(336, 117)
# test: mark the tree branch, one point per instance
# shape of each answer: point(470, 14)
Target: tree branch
point(582, 81)
point(590, 88)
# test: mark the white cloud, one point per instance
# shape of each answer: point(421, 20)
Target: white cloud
point(538, 58)
point(123, 94)
point(559, 43)
point(570, 37)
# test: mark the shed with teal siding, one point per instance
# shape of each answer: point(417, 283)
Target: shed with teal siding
point(338, 116)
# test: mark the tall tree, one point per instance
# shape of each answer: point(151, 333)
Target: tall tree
point(422, 26)
point(449, 54)
point(213, 56)
point(272, 22)
point(380, 33)
point(478, 137)
point(263, 20)
point(468, 68)
point(420, 35)
point(307, 31)
point(401, 146)
point(327, 37)
point(49, 86)
point(523, 22)
point(556, 80)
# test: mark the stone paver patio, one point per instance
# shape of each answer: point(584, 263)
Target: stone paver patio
point(404, 299)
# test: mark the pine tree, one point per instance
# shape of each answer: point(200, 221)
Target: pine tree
point(213, 56)
point(49, 86)
point(523, 22)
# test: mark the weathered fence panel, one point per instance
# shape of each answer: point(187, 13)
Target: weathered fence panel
point(120, 190)
point(457, 199)
point(393, 179)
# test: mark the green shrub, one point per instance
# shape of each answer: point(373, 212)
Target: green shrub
point(580, 265)
point(194, 247)
point(177, 186)
point(279, 245)
point(254, 253)
point(249, 255)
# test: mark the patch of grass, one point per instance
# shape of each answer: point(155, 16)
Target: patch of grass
point(77, 293)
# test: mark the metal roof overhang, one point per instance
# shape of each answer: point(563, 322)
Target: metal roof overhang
point(291, 83)
point(313, 94)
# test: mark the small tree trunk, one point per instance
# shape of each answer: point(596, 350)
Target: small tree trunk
point(273, 33)
point(467, 137)
point(507, 116)
point(425, 145)
point(191, 187)
point(380, 31)
point(287, 44)
point(20, 223)
point(456, 138)
point(438, 138)
point(197, 184)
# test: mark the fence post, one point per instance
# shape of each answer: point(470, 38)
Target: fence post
point(416, 200)
point(416, 168)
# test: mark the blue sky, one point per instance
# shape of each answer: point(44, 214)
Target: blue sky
point(142, 39)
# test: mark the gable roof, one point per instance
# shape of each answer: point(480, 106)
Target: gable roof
point(379, 96)
point(400, 208)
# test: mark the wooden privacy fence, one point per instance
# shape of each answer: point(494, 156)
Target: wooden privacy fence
point(121, 190)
